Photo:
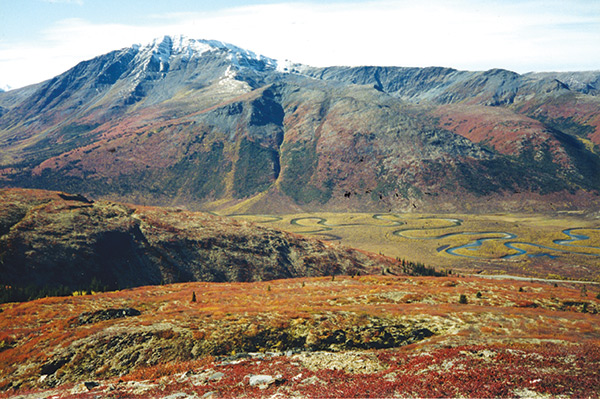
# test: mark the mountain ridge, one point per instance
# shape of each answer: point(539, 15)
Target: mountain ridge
point(126, 123)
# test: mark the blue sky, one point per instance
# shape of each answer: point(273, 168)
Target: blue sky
point(42, 38)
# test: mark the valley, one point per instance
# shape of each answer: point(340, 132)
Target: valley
point(187, 219)
point(558, 246)
point(54, 239)
point(200, 304)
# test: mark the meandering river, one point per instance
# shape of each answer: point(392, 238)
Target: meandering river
point(572, 244)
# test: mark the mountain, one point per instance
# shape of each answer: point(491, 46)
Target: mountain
point(50, 240)
point(208, 125)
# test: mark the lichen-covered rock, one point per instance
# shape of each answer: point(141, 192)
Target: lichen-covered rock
point(106, 314)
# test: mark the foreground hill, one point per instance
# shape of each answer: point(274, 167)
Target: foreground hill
point(53, 239)
point(368, 336)
point(204, 124)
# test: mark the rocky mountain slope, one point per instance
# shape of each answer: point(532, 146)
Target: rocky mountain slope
point(541, 118)
point(204, 124)
point(53, 239)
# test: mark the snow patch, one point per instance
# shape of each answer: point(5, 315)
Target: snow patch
point(164, 49)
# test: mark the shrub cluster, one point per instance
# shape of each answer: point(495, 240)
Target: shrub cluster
point(420, 269)
point(29, 293)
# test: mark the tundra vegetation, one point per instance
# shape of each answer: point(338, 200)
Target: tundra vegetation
point(321, 320)
point(361, 336)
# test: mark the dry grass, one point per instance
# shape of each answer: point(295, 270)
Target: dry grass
point(426, 237)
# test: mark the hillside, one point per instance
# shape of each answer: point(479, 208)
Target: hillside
point(207, 125)
point(54, 239)
point(368, 336)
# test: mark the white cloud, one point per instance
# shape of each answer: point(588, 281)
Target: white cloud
point(462, 34)
point(465, 34)
point(67, 43)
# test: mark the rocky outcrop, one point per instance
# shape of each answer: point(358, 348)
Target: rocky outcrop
point(105, 314)
point(117, 350)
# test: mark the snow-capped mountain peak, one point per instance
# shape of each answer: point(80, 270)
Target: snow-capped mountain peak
point(168, 46)
point(164, 49)
point(179, 59)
